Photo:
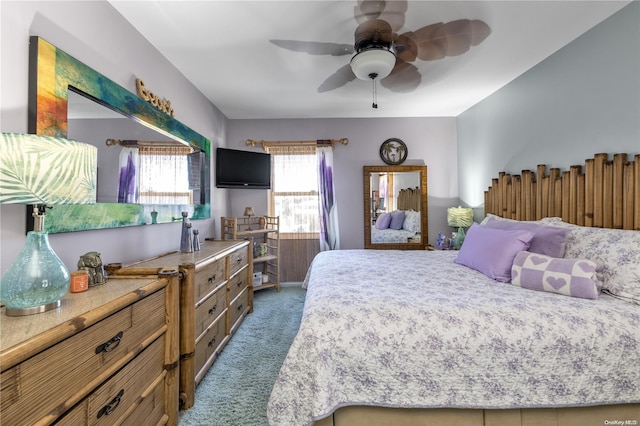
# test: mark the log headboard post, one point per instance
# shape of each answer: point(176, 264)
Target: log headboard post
point(603, 193)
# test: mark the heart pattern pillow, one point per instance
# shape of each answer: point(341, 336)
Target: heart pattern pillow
point(570, 277)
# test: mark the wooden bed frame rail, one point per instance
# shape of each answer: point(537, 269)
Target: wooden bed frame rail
point(605, 195)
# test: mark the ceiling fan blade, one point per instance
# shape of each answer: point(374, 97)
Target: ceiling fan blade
point(315, 47)
point(338, 79)
point(454, 38)
point(375, 31)
point(368, 9)
point(404, 78)
point(431, 42)
point(406, 46)
point(391, 11)
point(479, 31)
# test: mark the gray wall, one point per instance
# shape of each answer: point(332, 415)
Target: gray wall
point(582, 100)
point(430, 141)
point(94, 33)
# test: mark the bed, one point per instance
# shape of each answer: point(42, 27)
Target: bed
point(430, 337)
point(401, 225)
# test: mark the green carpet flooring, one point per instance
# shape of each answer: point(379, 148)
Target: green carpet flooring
point(236, 389)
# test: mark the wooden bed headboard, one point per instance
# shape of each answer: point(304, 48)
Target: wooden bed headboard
point(605, 195)
point(409, 199)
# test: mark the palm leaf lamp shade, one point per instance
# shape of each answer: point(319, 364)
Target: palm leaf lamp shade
point(459, 217)
point(43, 171)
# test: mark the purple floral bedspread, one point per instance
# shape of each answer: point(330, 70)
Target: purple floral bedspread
point(414, 329)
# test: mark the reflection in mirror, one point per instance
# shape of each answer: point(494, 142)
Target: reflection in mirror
point(395, 207)
point(136, 164)
point(54, 79)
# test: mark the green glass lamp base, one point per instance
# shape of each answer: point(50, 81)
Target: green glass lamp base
point(37, 279)
point(458, 239)
point(16, 312)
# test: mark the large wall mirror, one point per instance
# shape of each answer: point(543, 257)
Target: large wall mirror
point(172, 162)
point(395, 207)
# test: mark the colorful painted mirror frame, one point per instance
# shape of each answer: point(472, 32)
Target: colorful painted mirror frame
point(52, 73)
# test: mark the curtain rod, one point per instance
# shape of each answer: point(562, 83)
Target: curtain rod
point(319, 142)
point(159, 144)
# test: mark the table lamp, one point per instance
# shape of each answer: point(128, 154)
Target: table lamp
point(459, 217)
point(41, 171)
point(248, 212)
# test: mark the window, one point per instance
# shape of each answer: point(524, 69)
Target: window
point(164, 175)
point(294, 191)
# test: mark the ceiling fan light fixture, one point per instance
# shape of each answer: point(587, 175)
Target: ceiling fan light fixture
point(372, 64)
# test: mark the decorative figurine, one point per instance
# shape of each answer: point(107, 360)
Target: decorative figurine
point(196, 241)
point(92, 263)
point(440, 241)
point(186, 244)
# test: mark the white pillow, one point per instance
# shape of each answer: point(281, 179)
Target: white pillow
point(411, 221)
point(617, 250)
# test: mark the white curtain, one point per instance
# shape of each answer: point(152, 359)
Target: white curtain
point(164, 175)
point(329, 229)
point(154, 175)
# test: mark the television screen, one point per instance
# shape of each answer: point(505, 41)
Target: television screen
point(242, 169)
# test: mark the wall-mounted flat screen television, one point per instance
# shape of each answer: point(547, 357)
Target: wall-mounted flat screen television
point(242, 169)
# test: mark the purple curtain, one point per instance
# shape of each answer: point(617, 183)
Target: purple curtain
point(128, 185)
point(329, 230)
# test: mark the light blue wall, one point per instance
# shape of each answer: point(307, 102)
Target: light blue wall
point(584, 99)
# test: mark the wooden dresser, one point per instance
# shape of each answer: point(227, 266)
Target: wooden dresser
point(108, 355)
point(215, 296)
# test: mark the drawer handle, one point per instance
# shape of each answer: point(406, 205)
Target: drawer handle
point(239, 259)
point(111, 344)
point(212, 278)
point(213, 309)
point(212, 342)
point(239, 307)
point(239, 284)
point(111, 406)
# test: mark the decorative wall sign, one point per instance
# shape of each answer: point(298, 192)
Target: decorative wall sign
point(162, 104)
point(393, 151)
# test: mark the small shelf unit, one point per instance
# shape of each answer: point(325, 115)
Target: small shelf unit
point(259, 230)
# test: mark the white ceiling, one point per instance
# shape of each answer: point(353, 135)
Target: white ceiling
point(223, 48)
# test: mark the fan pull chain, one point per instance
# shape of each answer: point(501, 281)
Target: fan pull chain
point(374, 105)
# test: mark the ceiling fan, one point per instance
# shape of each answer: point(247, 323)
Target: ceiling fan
point(381, 54)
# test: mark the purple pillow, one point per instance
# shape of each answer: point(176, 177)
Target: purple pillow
point(397, 219)
point(547, 240)
point(491, 251)
point(571, 277)
point(383, 221)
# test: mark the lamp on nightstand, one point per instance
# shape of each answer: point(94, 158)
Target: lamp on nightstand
point(41, 171)
point(459, 217)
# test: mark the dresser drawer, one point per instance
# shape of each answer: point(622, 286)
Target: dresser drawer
point(238, 308)
point(237, 260)
point(209, 343)
point(43, 384)
point(133, 388)
point(238, 282)
point(210, 310)
point(208, 278)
